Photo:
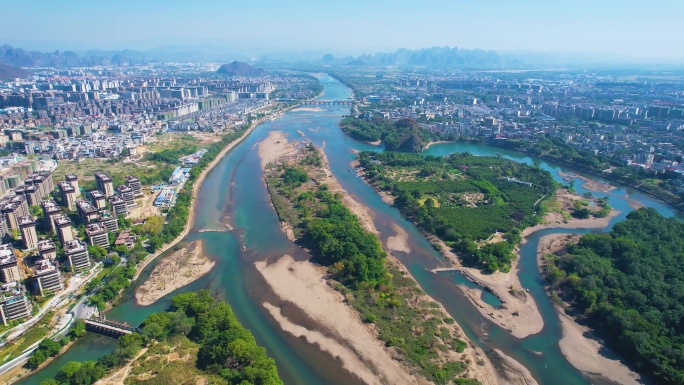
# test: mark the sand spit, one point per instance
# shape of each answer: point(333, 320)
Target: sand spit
point(303, 284)
point(179, 269)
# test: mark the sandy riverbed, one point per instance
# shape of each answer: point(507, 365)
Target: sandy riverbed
point(179, 269)
point(578, 345)
point(303, 284)
point(325, 305)
point(589, 184)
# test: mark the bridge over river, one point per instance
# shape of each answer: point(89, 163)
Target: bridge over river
point(108, 328)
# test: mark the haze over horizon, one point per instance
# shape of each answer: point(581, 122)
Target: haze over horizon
point(619, 28)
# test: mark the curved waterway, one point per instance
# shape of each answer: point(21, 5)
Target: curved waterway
point(234, 194)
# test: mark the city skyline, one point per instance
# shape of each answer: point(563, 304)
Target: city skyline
point(602, 29)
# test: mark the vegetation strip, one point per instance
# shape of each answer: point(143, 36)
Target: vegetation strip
point(406, 321)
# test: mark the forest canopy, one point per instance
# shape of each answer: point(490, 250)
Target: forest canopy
point(629, 284)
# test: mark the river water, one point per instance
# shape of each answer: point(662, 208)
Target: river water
point(233, 193)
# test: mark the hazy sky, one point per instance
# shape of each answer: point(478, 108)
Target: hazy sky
point(639, 29)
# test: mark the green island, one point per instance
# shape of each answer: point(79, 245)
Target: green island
point(198, 338)
point(406, 319)
point(403, 135)
point(464, 200)
point(628, 285)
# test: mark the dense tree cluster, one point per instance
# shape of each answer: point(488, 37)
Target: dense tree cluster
point(88, 372)
point(436, 198)
point(173, 155)
point(110, 285)
point(629, 283)
point(226, 347)
point(403, 135)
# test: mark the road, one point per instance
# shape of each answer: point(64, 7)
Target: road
point(63, 328)
point(74, 284)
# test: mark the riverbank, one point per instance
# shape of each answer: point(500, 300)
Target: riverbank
point(179, 269)
point(519, 312)
point(578, 345)
point(195, 189)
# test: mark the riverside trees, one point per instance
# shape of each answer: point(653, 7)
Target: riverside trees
point(629, 284)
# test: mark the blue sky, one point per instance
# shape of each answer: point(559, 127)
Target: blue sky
point(637, 29)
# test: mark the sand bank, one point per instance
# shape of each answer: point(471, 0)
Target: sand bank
point(276, 148)
point(578, 345)
point(589, 183)
point(343, 334)
point(179, 269)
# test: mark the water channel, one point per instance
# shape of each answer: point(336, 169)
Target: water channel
point(233, 193)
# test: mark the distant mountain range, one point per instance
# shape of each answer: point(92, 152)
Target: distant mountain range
point(11, 72)
point(22, 58)
point(441, 57)
point(238, 68)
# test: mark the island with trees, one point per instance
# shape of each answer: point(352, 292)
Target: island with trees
point(403, 135)
point(628, 285)
point(197, 339)
point(476, 204)
point(408, 322)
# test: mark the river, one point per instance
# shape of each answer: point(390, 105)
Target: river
point(233, 193)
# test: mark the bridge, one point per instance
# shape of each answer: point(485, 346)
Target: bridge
point(328, 102)
point(108, 328)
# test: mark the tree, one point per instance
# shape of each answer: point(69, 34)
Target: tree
point(153, 225)
point(35, 360)
point(78, 329)
point(67, 371)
